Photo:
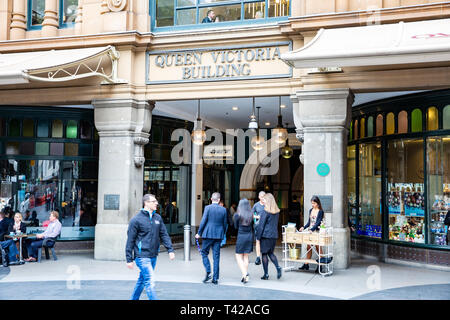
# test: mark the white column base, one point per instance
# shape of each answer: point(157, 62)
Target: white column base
point(110, 242)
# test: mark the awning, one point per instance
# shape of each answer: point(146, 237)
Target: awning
point(400, 43)
point(59, 65)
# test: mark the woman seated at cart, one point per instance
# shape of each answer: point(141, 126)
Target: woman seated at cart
point(315, 219)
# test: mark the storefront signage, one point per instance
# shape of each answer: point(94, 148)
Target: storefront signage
point(111, 202)
point(218, 152)
point(217, 64)
point(327, 203)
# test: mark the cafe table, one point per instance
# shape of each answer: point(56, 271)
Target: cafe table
point(20, 236)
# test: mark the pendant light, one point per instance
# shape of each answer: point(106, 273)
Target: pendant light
point(287, 151)
point(257, 141)
point(279, 133)
point(198, 134)
point(253, 124)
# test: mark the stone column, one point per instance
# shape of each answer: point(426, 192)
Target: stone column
point(5, 18)
point(50, 24)
point(18, 21)
point(79, 19)
point(325, 116)
point(123, 126)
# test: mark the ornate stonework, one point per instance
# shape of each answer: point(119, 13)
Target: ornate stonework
point(116, 5)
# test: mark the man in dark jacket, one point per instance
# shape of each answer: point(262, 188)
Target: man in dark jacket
point(144, 233)
point(212, 230)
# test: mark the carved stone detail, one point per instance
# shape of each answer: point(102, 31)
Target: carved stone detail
point(116, 5)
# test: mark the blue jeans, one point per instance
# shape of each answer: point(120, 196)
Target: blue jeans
point(206, 245)
point(12, 249)
point(146, 278)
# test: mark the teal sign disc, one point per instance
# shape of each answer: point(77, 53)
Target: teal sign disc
point(323, 169)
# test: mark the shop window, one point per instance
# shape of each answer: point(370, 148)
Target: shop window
point(156, 134)
point(12, 148)
point(390, 123)
point(351, 131)
point(2, 127)
point(416, 120)
point(36, 13)
point(42, 148)
point(170, 13)
point(351, 183)
point(56, 149)
point(355, 132)
point(68, 12)
point(42, 129)
point(370, 126)
point(405, 197)
point(438, 164)
point(363, 128)
point(28, 128)
point(85, 129)
point(432, 119)
point(26, 148)
point(370, 190)
point(71, 149)
point(57, 129)
point(72, 129)
point(403, 122)
point(379, 125)
point(14, 128)
point(446, 118)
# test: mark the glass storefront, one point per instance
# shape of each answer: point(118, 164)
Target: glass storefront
point(49, 161)
point(402, 191)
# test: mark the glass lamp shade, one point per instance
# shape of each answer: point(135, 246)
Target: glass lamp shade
point(257, 142)
point(198, 137)
point(280, 135)
point(287, 152)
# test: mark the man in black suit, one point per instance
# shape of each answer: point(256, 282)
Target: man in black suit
point(210, 17)
point(4, 224)
point(212, 230)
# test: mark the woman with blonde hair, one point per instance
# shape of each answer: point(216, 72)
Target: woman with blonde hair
point(267, 234)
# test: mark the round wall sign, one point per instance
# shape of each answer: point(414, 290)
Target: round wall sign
point(323, 169)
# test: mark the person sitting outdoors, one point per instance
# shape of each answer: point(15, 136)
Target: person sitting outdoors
point(9, 252)
point(315, 219)
point(49, 235)
point(18, 226)
point(210, 17)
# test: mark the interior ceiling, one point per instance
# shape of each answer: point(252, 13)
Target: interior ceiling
point(218, 113)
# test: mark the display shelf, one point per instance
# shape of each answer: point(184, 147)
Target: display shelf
point(324, 240)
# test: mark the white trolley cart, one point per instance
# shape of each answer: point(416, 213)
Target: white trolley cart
point(323, 239)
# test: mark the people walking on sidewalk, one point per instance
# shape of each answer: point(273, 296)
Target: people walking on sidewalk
point(212, 230)
point(243, 222)
point(258, 208)
point(267, 234)
point(315, 219)
point(145, 231)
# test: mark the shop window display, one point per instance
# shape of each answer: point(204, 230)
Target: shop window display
point(351, 181)
point(405, 193)
point(370, 190)
point(438, 164)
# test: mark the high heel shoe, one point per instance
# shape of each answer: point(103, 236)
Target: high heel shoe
point(304, 267)
point(265, 277)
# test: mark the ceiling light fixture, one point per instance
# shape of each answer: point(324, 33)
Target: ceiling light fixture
point(198, 134)
point(253, 123)
point(279, 133)
point(257, 141)
point(235, 108)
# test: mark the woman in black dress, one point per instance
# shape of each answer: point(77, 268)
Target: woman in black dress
point(267, 234)
point(243, 222)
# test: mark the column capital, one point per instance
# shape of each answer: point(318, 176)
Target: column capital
point(325, 94)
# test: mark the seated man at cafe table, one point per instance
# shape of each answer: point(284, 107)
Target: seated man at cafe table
point(49, 235)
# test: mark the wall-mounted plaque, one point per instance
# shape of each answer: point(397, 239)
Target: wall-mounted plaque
point(327, 203)
point(111, 202)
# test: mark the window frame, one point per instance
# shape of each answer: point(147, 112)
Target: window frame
point(199, 25)
point(64, 25)
point(31, 27)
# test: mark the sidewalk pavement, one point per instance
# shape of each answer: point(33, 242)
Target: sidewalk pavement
point(80, 276)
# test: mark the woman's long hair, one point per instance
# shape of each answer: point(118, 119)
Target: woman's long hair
point(244, 210)
point(270, 205)
point(317, 200)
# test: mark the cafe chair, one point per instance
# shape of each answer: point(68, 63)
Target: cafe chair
point(46, 246)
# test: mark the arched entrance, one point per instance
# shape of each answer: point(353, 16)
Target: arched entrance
point(285, 182)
